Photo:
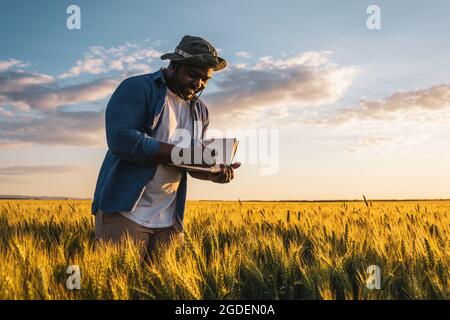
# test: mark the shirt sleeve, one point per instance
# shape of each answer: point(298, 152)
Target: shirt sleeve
point(125, 117)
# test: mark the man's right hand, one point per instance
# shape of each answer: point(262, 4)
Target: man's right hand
point(169, 153)
point(197, 156)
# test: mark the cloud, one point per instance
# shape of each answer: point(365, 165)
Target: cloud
point(6, 113)
point(308, 79)
point(53, 98)
point(128, 59)
point(299, 91)
point(243, 54)
point(84, 128)
point(7, 64)
point(251, 91)
point(88, 65)
point(27, 170)
point(25, 90)
point(370, 143)
point(31, 109)
point(240, 65)
point(384, 144)
point(31, 103)
point(266, 87)
point(432, 98)
point(19, 80)
point(406, 105)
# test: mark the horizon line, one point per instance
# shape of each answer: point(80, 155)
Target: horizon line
point(27, 197)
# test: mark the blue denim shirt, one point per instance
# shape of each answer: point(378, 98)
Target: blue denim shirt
point(133, 113)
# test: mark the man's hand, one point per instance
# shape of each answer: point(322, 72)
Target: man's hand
point(197, 156)
point(225, 175)
point(201, 156)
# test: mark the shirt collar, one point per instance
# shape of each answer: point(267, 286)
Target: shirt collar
point(158, 77)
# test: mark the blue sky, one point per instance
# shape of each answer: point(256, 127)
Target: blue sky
point(365, 110)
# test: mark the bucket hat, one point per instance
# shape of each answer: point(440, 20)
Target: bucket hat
point(196, 51)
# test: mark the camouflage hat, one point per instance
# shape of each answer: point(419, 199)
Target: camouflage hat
point(196, 51)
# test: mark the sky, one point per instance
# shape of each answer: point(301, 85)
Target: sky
point(324, 107)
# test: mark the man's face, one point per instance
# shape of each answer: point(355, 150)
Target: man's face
point(192, 79)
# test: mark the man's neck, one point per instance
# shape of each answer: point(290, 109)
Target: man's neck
point(168, 74)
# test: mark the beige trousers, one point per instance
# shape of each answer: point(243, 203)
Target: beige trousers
point(113, 226)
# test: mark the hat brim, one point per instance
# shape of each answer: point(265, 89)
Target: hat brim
point(221, 62)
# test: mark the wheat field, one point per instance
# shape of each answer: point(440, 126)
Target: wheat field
point(233, 250)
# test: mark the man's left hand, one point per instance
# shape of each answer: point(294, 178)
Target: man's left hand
point(226, 174)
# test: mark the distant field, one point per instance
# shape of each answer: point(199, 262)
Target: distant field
point(234, 250)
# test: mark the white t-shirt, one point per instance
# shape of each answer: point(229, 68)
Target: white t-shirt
point(156, 205)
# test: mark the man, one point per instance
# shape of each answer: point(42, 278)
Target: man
point(137, 191)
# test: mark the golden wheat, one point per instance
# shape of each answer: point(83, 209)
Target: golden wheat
point(234, 250)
